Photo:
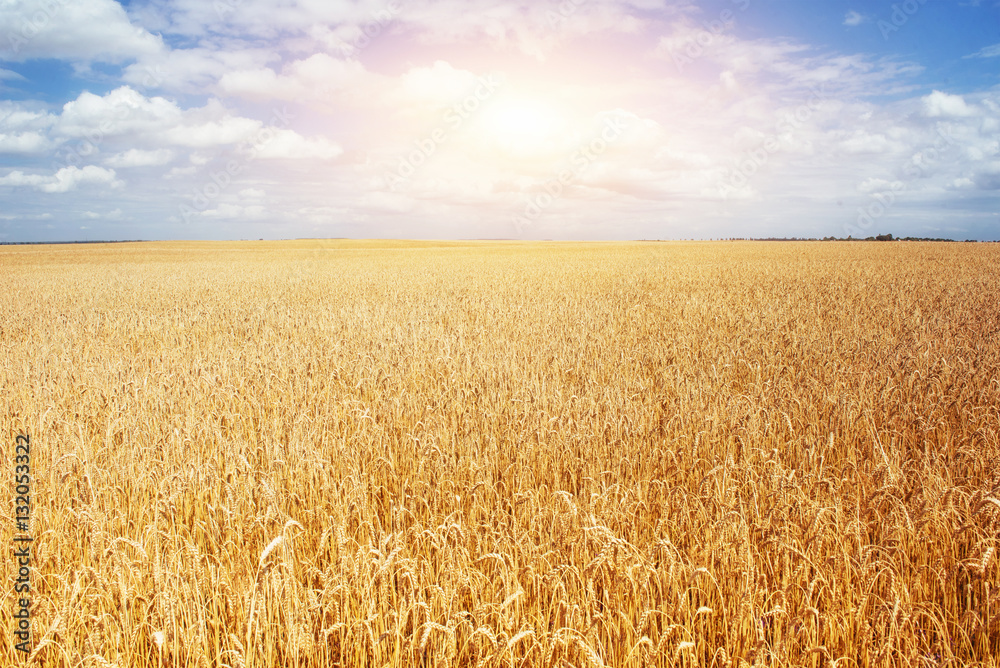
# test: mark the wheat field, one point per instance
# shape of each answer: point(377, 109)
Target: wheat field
point(346, 453)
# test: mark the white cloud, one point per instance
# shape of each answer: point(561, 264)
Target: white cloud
point(114, 214)
point(853, 19)
point(16, 118)
point(126, 113)
point(80, 30)
point(938, 104)
point(861, 142)
point(120, 111)
point(533, 28)
point(992, 51)
point(19, 178)
point(178, 172)
point(215, 132)
point(23, 142)
point(195, 69)
point(875, 185)
point(68, 178)
point(407, 104)
point(318, 77)
point(728, 81)
point(64, 180)
point(227, 211)
point(36, 216)
point(440, 84)
point(289, 145)
point(257, 18)
point(780, 66)
point(135, 157)
point(259, 83)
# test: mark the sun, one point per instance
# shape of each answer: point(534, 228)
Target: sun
point(520, 127)
point(520, 119)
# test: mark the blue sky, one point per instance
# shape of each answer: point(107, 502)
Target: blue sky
point(566, 119)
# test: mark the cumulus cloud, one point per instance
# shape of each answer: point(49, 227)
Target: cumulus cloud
point(120, 111)
point(16, 118)
point(19, 178)
point(68, 178)
point(129, 115)
point(943, 105)
point(78, 30)
point(23, 142)
point(127, 112)
point(64, 180)
point(199, 133)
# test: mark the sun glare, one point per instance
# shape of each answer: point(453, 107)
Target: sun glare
point(520, 127)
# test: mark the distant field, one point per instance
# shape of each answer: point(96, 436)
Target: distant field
point(505, 454)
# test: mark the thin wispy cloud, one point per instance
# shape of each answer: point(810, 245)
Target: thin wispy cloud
point(992, 51)
point(853, 19)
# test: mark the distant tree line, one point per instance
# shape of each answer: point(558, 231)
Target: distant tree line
point(889, 237)
point(96, 241)
point(880, 237)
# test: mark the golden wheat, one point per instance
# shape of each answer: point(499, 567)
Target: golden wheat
point(505, 454)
